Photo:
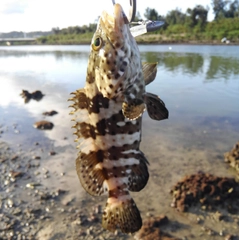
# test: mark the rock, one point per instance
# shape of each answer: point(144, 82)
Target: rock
point(205, 189)
point(15, 174)
point(37, 95)
point(43, 125)
point(52, 153)
point(218, 216)
point(15, 157)
point(26, 95)
point(232, 157)
point(150, 229)
point(33, 185)
point(50, 113)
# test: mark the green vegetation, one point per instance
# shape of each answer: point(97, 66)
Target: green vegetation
point(70, 35)
point(59, 39)
point(189, 27)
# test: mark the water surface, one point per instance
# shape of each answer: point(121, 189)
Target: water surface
point(199, 85)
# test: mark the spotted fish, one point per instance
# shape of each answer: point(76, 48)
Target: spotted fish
point(108, 117)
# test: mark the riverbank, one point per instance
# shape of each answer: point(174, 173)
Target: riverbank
point(144, 39)
point(41, 198)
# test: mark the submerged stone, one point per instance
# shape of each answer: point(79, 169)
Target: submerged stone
point(43, 125)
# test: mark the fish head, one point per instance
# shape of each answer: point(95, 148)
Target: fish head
point(114, 63)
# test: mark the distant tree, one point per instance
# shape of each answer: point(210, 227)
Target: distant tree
point(55, 30)
point(92, 27)
point(175, 17)
point(219, 8)
point(151, 14)
point(137, 17)
point(197, 16)
point(233, 10)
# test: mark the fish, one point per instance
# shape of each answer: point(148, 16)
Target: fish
point(107, 116)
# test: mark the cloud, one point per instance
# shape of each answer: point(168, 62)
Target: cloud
point(13, 6)
point(35, 15)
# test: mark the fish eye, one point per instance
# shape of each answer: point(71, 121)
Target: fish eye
point(97, 43)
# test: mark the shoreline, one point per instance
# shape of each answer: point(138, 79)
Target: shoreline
point(139, 43)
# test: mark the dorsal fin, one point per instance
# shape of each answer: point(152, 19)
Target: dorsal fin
point(149, 72)
point(80, 101)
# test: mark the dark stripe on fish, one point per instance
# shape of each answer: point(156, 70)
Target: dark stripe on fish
point(90, 175)
point(81, 101)
point(87, 130)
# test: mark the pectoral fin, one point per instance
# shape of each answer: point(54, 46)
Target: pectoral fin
point(133, 109)
point(149, 72)
point(156, 107)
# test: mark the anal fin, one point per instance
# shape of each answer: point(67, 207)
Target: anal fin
point(155, 107)
point(91, 176)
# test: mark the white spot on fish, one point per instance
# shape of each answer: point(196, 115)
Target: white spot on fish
point(121, 162)
point(128, 170)
point(120, 53)
point(101, 53)
point(130, 151)
point(118, 140)
point(121, 124)
point(120, 73)
point(115, 182)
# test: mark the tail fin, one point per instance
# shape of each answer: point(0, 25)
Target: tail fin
point(123, 213)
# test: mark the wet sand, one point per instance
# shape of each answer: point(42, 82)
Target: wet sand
point(41, 197)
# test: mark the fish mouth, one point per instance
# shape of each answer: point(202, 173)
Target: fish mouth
point(114, 23)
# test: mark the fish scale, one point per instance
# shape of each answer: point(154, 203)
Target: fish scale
point(108, 121)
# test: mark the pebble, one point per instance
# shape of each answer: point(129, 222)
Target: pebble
point(52, 153)
point(33, 185)
point(50, 113)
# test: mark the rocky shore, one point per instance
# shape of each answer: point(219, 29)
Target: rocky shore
point(41, 197)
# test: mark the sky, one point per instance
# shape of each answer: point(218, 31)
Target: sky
point(43, 15)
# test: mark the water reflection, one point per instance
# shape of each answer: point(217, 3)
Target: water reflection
point(58, 55)
point(59, 70)
point(13, 110)
point(221, 68)
point(213, 68)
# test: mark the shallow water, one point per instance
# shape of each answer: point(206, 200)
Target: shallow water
point(199, 85)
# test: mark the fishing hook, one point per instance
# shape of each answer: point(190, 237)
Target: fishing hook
point(142, 26)
point(132, 10)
